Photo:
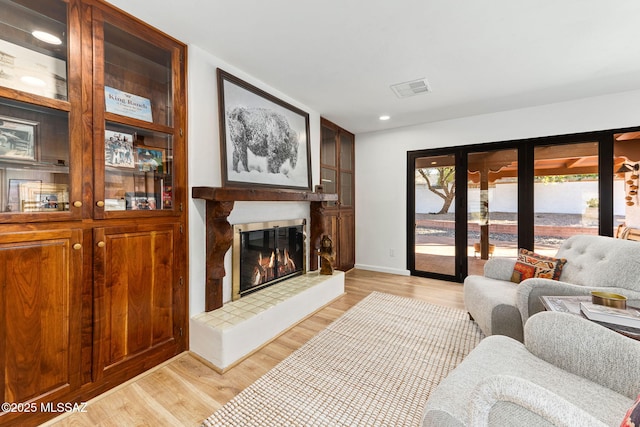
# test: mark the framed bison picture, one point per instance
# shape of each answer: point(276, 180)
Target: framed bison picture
point(264, 140)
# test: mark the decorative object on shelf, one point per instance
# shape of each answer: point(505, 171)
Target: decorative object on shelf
point(118, 149)
point(114, 204)
point(36, 196)
point(150, 159)
point(140, 201)
point(13, 199)
point(632, 182)
point(264, 140)
point(18, 138)
point(327, 255)
point(127, 104)
point(32, 72)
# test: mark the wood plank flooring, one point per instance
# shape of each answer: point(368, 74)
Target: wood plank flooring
point(185, 391)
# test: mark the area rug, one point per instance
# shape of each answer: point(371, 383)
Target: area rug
point(374, 366)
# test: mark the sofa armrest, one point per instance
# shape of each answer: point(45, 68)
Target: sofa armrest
point(530, 290)
point(586, 349)
point(530, 396)
point(499, 268)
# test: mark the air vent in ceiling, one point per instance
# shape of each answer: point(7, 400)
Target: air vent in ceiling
point(412, 88)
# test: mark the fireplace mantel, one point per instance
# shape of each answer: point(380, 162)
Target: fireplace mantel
point(219, 204)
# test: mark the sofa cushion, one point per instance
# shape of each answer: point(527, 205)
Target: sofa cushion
point(530, 264)
point(448, 404)
point(599, 261)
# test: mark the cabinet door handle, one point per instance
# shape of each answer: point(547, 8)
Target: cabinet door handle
point(100, 203)
point(101, 244)
point(77, 246)
point(77, 204)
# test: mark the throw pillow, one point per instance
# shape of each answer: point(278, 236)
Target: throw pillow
point(632, 417)
point(530, 264)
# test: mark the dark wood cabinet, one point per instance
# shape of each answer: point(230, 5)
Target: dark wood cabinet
point(92, 202)
point(337, 174)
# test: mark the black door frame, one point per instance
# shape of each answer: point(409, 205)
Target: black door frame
point(526, 174)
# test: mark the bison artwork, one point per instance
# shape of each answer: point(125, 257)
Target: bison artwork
point(266, 134)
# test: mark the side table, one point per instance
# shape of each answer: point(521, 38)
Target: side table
point(571, 304)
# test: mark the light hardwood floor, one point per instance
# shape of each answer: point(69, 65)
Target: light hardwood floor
point(185, 391)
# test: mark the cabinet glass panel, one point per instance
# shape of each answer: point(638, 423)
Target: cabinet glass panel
point(346, 186)
point(328, 148)
point(34, 158)
point(33, 47)
point(137, 78)
point(346, 150)
point(138, 166)
point(328, 177)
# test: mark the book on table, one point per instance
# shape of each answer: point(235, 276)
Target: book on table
point(626, 317)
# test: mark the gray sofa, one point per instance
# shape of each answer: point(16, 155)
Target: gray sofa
point(570, 372)
point(501, 307)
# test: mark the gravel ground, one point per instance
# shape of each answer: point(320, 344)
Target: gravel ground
point(565, 220)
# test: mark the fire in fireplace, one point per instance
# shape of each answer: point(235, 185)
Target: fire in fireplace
point(266, 253)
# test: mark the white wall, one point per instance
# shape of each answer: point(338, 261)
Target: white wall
point(381, 159)
point(204, 167)
point(504, 197)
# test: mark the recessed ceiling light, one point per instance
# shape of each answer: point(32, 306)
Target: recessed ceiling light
point(33, 81)
point(383, 118)
point(46, 37)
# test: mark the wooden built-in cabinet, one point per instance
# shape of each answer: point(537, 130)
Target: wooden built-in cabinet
point(337, 174)
point(92, 202)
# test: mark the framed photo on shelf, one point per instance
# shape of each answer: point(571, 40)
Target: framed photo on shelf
point(118, 149)
point(13, 198)
point(150, 159)
point(264, 140)
point(18, 138)
point(44, 197)
point(140, 201)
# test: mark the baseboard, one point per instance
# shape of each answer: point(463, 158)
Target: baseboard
point(383, 269)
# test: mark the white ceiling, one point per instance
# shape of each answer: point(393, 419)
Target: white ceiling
point(340, 57)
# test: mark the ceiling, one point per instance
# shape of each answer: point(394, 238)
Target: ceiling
point(340, 57)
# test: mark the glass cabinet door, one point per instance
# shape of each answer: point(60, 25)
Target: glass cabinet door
point(35, 118)
point(137, 149)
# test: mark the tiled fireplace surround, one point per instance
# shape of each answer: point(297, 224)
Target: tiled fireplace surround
point(226, 333)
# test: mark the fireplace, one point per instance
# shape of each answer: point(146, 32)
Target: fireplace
point(266, 253)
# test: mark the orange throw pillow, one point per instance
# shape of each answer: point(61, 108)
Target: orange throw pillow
point(530, 264)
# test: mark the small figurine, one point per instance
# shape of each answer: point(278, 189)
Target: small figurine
point(327, 255)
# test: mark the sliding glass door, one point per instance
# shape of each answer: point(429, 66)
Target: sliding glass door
point(468, 204)
point(492, 206)
point(566, 193)
point(434, 232)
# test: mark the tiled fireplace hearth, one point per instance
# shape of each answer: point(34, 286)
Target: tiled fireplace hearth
point(226, 333)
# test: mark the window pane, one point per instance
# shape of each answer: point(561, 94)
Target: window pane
point(566, 195)
point(626, 162)
point(492, 200)
point(435, 214)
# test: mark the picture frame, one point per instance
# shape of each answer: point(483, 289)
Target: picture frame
point(137, 201)
point(264, 140)
point(13, 196)
point(43, 197)
point(118, 149)
point(18, 139)
point(150, 159)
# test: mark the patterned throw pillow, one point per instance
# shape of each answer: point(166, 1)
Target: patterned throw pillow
point(530, 264)
point(632, 417)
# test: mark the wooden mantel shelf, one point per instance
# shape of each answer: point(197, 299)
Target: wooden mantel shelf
point(220, 203)
point(219, 194)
